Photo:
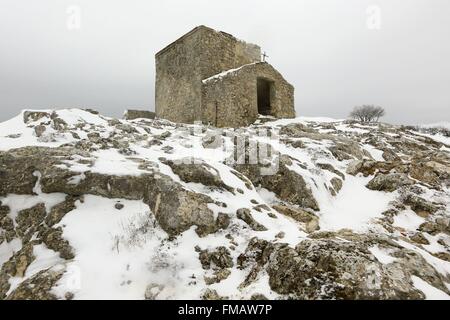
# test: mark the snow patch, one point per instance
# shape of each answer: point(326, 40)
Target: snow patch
point(227, 72)
point(354, 207)
point(381, 255)
point(430, 292)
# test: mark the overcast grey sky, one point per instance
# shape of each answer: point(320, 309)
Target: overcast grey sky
point(330, 50)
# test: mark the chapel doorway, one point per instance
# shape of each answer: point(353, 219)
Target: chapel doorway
point(264, 90)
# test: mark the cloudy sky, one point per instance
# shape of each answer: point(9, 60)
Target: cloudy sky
point(337, 53)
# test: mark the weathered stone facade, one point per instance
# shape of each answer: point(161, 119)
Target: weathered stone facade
point(138, 114)
point(211, 76)
point(231, 100)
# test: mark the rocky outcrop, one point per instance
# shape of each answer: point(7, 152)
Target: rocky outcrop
point(394, 174)
point(337, 184)
point(7, 230)
point(245, 215)
point(285, 183)
point(371, 167)
point(175, 208)
point(299, 130)
point(197, 171)
point(389, 182)
point(38, 287)
point(212, 141)
point(29, 220)
point(16, 266)
point(332, 268)
point(219, 260)
point(60, 210)
point(54, 240)
point(329, 167)
point(223, 202)
point(419, 205)
point(32, 116)
point(310, 220)
point(343, 148)
point(432, 173)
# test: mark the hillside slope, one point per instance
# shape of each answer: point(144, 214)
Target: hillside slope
point(98, 208)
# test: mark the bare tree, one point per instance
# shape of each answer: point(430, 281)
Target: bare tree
point(367, 113)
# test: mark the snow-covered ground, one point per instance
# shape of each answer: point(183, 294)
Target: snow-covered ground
point(119, 253)
point(442, 124)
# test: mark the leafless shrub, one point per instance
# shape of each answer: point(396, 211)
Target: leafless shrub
point(367, 113)
point(135, 232)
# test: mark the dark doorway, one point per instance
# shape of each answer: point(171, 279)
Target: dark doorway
point(264, 88)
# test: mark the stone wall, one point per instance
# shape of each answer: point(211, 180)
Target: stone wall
point(138, 114)
point(181, 67)
point(231, 100)
point(178, 80)
point(223, 52)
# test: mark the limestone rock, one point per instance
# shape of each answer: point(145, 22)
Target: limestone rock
point(54, 240)
point(212, 141)
point(430, 227)
point(60, 210)
point(443, 256)
point(258, 252)
point(219, 258)
point(31, 116)
point(16, 266)
point(197, 171)
point(211, 294)
point(294, 143)
point(329, 167)
point(347, 151)
point(39, 130)
point(285, 183)
point(296, 130)
point(258, 297)
point(38, 287)
point(58, 123)
point(327, 269)
point(218, 276)
point(340, 266)
point(389, 155)
point(419, 238)
point(29, 220)
point(389, 182)
point(312, 226)
point(419, 205)
point(424, 173)
point(152, 291)
point(311, 220)
point(337, 184)
point(7, 224)
point(176, 209)
point(370, 167)
point(245, 215)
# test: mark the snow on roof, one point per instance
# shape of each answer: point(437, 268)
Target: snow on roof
point(193, 31)
point(228, 72)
